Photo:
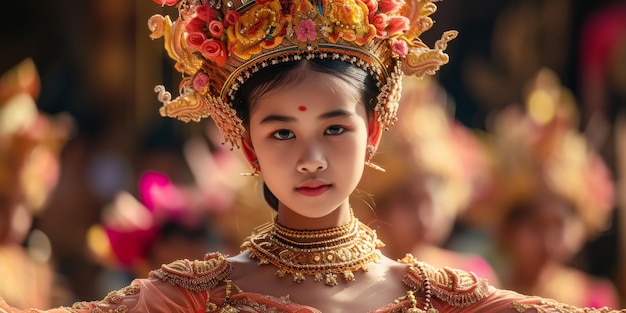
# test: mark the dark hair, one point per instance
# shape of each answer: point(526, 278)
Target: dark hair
point(285, 73)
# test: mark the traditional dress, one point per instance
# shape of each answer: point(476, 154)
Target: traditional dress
point(203, 286)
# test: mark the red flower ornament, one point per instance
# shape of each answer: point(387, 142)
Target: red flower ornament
point(397, 25)
point(391, 6)
point(167, 2)
point(214, 50)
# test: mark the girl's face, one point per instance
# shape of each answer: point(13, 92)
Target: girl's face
point(310, 137)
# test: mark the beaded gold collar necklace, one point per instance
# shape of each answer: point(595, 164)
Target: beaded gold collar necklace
point(323, 254)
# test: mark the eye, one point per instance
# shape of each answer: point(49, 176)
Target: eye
point(283, 134)
point(334, 130)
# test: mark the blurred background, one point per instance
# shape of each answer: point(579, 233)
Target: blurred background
point(96, 64)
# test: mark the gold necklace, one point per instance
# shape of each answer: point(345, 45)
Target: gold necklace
point(322, 254)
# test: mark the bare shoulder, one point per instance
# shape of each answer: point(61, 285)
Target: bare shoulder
point(243, 265)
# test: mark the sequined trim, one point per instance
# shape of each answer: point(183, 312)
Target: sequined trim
point(453, 286)
point(196, 275)
point(114, 297)
point(551, 306)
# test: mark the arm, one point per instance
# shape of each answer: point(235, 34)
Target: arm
point(143, 295)
point(512, 302)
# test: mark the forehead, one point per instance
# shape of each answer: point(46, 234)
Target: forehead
point(305, 88)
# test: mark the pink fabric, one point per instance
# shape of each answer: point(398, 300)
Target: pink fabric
point(156, 296)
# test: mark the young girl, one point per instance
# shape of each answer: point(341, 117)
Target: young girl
point(305, 89)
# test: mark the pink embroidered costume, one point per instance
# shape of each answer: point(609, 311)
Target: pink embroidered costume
point(203, 286)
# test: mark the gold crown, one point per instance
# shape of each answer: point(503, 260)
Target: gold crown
point(218, 46)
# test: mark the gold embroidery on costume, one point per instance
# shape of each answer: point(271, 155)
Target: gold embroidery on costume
point(114, 297)
point(119, 309)
point(196, 275)
point(455, 287)
point(552, 306)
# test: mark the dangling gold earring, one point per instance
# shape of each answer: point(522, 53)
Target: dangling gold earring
point(368, 161)
point(255, 170)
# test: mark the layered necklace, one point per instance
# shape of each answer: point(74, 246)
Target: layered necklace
point(322, 254)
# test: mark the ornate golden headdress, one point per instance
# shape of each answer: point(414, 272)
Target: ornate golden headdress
point(218, 45)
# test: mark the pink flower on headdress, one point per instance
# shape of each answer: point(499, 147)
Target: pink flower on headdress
point(214, 50)
point(216, 28)
point(399, 47)
point(166, 2)
point(195, 39)
point(200, 81)
point(231, 18)
point(380, 22)
point(390, 6)
point(397, 25)
point(306, 30)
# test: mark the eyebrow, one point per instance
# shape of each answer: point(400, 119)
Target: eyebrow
point(327, 115)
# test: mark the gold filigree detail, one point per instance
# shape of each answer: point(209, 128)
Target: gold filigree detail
point(196, 275)
point(552, 306)
point(455, 287)
point(323, 254)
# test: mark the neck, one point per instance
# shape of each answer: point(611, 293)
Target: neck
point(293, 220)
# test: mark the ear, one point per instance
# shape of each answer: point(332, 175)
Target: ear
point(247, 148)
point(374, 131)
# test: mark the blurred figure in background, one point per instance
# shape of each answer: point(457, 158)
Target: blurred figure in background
point(169, 220)
point(30, 144)
point(137, 236)
point(602, 63)
point(551, 193)
point(434, 167)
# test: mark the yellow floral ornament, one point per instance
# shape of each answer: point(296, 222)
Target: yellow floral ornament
point(217, 45)
point(259, 28)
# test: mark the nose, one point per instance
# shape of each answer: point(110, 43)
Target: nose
point(312, 160)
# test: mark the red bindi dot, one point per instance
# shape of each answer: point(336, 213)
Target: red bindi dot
point(302, 108)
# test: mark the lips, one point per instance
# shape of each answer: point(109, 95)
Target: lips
point(313, 188)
